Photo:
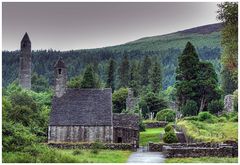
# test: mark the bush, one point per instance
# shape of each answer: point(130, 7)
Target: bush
point(195, 118)
point(234, 119)
point(206, 116)
point(166, 114)
point(215, 106)
point(170, 137)
point(222, 119)
point(16, 136)
point(169, 128)
point(190, 108)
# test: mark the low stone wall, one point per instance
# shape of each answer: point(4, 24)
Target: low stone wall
point(155, 147)
point(111, 146)
point(156, 124)
point(199, 150)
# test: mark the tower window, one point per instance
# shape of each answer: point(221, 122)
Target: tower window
point(59, 71)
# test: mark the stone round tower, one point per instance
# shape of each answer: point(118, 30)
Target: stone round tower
point(60, 72)
point(25, 63)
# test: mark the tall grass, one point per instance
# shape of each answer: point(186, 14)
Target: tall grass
point(207, 132)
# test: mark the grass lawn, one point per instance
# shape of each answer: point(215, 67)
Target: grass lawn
point(67, 156)
point(207, 132)
point(104, 156)
point(151, 134)
point(202, 160)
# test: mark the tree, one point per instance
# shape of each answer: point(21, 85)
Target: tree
point(228, 84)
point(75, 82)
point(119, 100)
point(39, 83)
point(134, 78)
point(186, 75)
point(111, 74)
point(90, 78)
point(156, 77)
point(228, 13)
point(153, 103)
point(207, 85)
point(145, 71)
point(124, 72)
point(195, 80)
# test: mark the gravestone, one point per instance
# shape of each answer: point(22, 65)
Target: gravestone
point(228, 103)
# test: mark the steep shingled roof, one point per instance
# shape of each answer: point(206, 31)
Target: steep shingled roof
point(87, 107)
point(25, 38)
point(59, 63)
point(126, 121)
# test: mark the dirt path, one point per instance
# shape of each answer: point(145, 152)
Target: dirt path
point(143, 156)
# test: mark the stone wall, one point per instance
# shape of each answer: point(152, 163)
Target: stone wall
point(195, 149)
point(125, 135)
point(156, 124)
point(199, 150)
point(111, 146)
point(80, 134)
point(155, 147)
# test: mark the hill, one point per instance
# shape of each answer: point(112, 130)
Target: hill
point(167, 47)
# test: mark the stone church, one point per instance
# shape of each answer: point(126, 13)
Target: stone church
point(81, 115)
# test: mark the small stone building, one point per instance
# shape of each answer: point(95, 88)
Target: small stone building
point(85, 115)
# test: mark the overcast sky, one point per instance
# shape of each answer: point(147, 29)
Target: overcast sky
point(66, 26)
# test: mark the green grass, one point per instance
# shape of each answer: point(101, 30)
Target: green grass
point(206, 132)
point(202, 160)
point(44, 154)
point(151, 134)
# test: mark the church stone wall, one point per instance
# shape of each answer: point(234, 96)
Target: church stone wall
point(80, 134)
point(125, 135)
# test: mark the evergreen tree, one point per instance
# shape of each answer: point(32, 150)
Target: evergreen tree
point(156, 77)
point(111, 74)
point(195, 80)
point(207, 85)
point(124, 72)
point(186, 74)
point(134, 78)
point(146, 65)
point(90, 78)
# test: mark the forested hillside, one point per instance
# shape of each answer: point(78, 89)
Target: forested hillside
point(166, 47)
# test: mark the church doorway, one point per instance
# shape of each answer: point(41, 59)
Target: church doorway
point(119, 140)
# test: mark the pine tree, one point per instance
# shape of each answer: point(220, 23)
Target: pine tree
point(90, 78)
point(111, 74)
point(124, 72)
point(145, 69)
point(156, 77)
point(134, 78)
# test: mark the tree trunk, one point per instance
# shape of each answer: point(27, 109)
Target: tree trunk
point(203, 102)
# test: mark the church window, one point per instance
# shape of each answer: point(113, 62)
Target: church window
point(59, 71)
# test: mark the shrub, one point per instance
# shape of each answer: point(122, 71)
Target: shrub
point(191, 118)
point(206, 116)
point(215, 106)
point(190, 108)
point(166, 114)
point(222, 119)
point(94, 151)
point(234, 119)
point(169, 128)
point(170, 137)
